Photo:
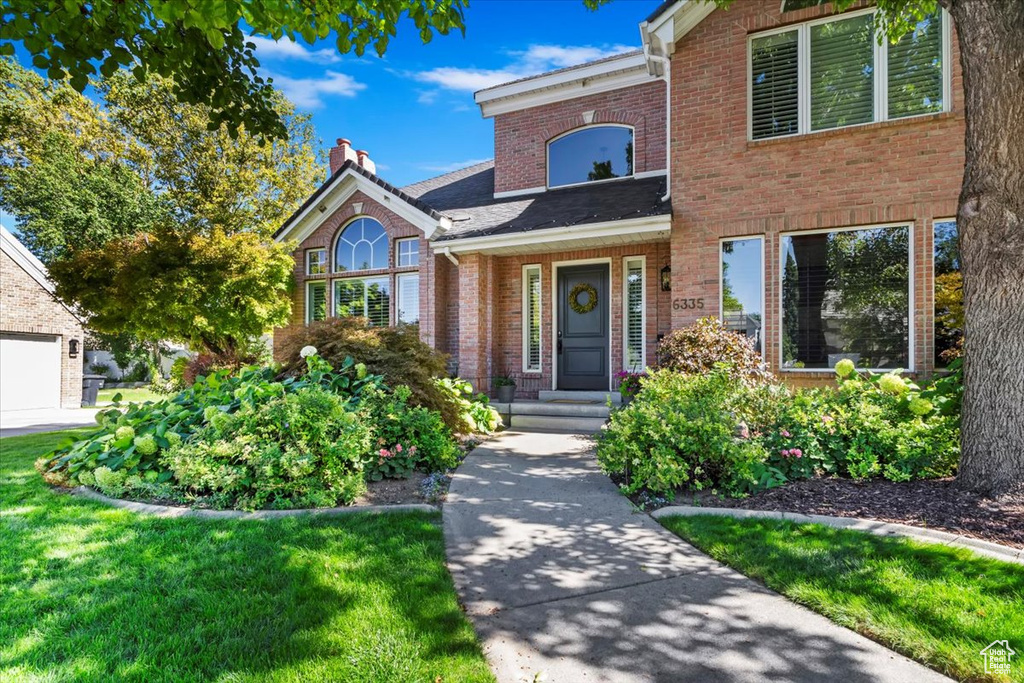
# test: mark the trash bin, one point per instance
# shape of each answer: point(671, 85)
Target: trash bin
point(91, 385)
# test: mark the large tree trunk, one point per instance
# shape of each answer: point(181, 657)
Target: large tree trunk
point(991, 224)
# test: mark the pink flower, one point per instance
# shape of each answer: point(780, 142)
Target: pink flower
point(797, 452)
point(384, 453)
point(412, 449)
point(784, 452)
point(398, 448)
point(826, 418)
point(785, 433)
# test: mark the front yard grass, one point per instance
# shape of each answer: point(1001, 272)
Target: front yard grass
point(938, 605)
point(93, 593)
point(129, 395)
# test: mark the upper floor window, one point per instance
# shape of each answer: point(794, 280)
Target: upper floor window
point(363, 245)
point(407, 252)
point(834, 72)
point(316, 261)
point(589, 154)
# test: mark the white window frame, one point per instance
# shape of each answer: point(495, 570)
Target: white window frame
point(580, 129)
point(398, 252)
point(626, 260)
point(881, 75)
point(398, 297)
point(533, 267)
point(309, 265)
point(341, 233)
point(309, 299)
point(911, 275)
point(764, 283)
point(371, 278)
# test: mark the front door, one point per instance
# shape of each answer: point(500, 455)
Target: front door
point(582, 343)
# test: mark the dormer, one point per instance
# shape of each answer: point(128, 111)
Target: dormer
point(597, 122)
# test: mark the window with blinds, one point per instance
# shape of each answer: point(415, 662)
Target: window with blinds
point(633, 328)
point(369, 298)
point(831, 73)
point(846, 295)
point(531, 318)
point(773, 89)
point(408, 286)
point(316, 301)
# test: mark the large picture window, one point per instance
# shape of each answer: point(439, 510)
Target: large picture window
point(589, 154)
point(743, 287)
point(634, 359)
point(949, 294)
point(846, 294)
point(366, 297)
point(531, 318)
point(362, 245)
point(834, 72)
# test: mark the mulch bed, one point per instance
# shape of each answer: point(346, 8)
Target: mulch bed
point(393, 491)
point(935, 504)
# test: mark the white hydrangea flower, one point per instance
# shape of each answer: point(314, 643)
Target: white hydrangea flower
point(307, 351)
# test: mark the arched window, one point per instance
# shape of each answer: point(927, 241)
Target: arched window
point(589, 154)
point(363, 245)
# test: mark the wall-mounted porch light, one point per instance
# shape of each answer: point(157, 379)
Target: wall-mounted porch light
point(73, 348)
point(666, 279)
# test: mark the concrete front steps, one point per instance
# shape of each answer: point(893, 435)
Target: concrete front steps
point(577, 412)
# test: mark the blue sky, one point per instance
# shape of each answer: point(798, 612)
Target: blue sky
point(413, 109)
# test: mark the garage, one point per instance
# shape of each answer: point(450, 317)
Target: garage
point(30, 368)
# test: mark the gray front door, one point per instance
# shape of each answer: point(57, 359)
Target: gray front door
point(582, 343)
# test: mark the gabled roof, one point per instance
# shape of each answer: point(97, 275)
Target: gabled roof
point(11, 246)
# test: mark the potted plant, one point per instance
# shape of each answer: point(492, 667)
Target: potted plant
point(629, 385)
point(505, 387)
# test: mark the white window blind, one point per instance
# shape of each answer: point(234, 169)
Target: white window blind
point(316, 301)
point(831, 73)
point(408, 286)
point(369, 298)
point(634, 318)
point(774, 92)
point(531, 318)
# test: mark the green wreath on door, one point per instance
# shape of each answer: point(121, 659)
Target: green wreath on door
point(574, 298)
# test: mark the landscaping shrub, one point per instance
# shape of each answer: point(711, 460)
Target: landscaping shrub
point(475, 411)
point(300, 449)
point(405, 436)
point(682, 430)
point(395, 353)
point(697, 349)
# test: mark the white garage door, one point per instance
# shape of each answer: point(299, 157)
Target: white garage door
point(29, 372)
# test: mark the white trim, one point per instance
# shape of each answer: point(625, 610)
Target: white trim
point(633, 226)
point(25, 259)
point(540, 322)
point(880, 75)
point(647, 174)
point(555, 265)
point(326, 264)
point(327, 303)
point(340, 189)
point(643, 311)
point(761, 278)
point(911, 324)
point(589, 79)
point(518, 193)
point(398, 241)
point(581, 129)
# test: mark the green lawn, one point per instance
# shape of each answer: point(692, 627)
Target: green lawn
point(129, 395)
point(935, 604)
point(93, 593)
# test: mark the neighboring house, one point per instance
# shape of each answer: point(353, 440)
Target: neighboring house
point(809, 167)
point(40, 338)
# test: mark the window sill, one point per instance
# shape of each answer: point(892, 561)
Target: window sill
point(846, 130)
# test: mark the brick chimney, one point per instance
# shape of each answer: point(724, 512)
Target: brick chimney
point(341, 153)
point(365, 161)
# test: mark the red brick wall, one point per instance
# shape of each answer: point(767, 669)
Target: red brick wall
point(520, 138)
point(25, 306)
point(505, 341)
point(724, 185)
point(396, 228)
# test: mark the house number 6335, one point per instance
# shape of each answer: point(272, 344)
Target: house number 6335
point(686, 304)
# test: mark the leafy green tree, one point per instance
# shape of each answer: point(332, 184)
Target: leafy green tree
point(204, 47)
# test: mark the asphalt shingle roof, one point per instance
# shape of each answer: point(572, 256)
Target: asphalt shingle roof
point(467, 197)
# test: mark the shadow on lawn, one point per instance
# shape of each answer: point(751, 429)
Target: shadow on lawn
point(89, 592)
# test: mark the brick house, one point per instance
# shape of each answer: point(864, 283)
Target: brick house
point(40, 338)
point(770, 164)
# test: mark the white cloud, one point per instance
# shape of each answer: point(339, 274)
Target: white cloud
point(530, 62)
point(427, 96)
point(309, 93)
point(286, 49)
point(454, 166)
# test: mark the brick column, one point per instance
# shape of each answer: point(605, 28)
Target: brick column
point(475, 284)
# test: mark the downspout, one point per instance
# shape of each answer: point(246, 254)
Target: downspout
point(450, 256)
point(667, 77)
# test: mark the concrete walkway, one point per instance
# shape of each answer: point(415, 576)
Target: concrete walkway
point(560, 576)
point(21, 422)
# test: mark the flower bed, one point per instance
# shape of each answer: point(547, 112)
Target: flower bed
point(250, 441)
